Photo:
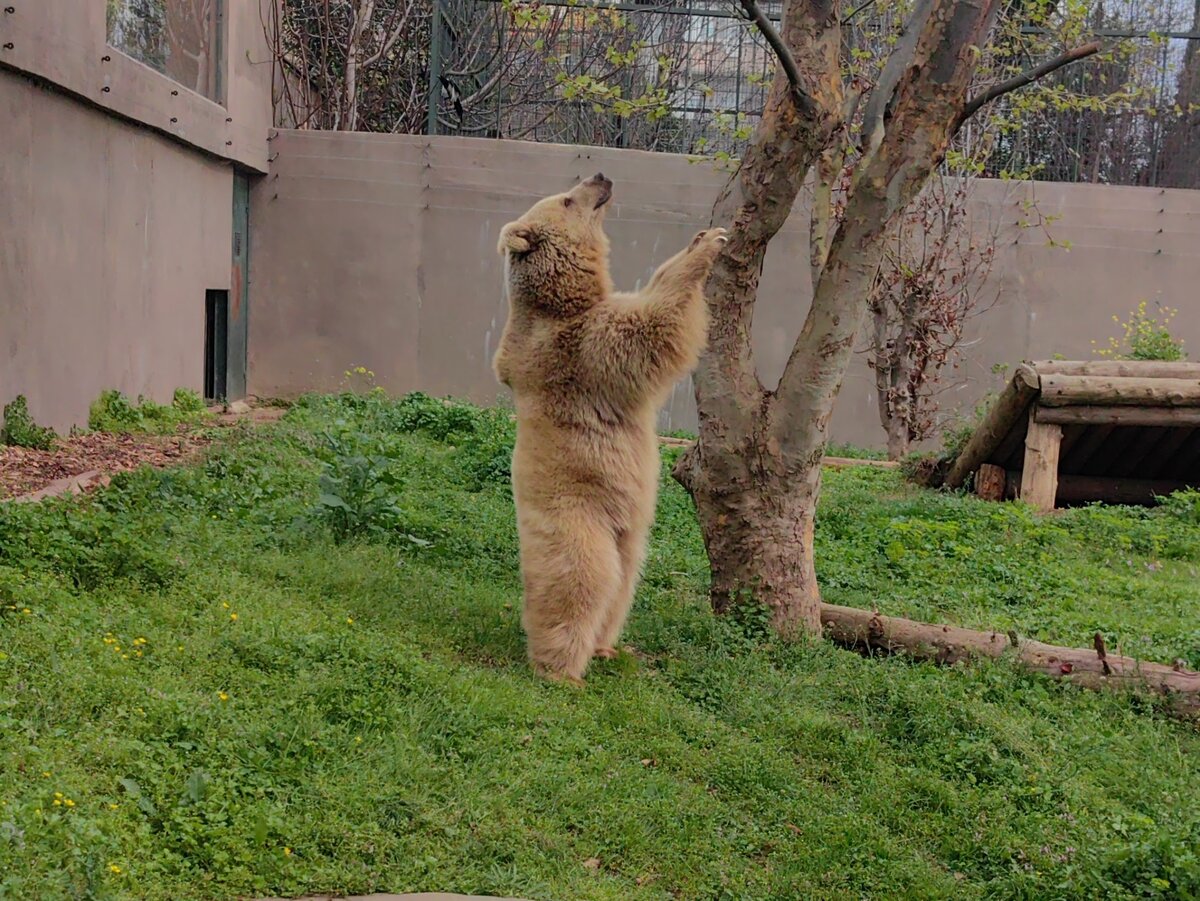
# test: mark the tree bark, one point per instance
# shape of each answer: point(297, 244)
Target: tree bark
point(754, 539)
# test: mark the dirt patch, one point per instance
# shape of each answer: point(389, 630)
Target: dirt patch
point(23, 471)
point(85, 462)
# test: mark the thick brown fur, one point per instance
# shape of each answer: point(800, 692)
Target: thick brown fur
point(589, 369)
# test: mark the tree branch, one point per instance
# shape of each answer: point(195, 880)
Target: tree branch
point(854, 12)
point(804, 103)
point(1025, 78)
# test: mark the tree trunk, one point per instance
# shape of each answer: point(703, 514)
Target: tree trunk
point(754, 472)
point(363, 13)
point(755, 515)
point(897, 437)
point(1179, 166)
point(759, 539)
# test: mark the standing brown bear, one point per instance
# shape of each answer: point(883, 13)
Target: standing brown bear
point(589, 369)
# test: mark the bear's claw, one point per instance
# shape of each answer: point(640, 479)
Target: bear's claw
point(717, 236)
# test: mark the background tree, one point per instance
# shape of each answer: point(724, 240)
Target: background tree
point(1180, 160)
point(930, 284)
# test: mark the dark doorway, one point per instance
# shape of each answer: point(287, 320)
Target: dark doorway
point(216, 344)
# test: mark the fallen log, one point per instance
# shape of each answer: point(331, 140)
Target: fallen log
point(1079, 390)
point(1161, 417)
point(1079, 489)
point(1147, 369)
point(832, 462)
point(1092, 668)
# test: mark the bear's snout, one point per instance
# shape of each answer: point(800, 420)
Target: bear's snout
point(605, 185)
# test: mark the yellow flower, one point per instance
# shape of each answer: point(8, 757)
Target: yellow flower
point(180, 648)
point(350, 620)
point(225, 604)
point(222, 696)
point(58, 794)
point(45, 775)
point(27, 611)
point(68, 802)
point(233, 616)
point(113, 868)
point(112, 806)
point(358, 739)
point(287, 852)
point(57, 803)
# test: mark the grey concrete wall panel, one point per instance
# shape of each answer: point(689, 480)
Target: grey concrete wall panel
point(335, 273)
point(111, 236)
point(379, 250)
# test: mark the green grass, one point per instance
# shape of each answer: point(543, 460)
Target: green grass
point(367, 723)
point(17, 428)
point(112, 411)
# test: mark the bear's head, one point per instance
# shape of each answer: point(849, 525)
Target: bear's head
point(557, 253)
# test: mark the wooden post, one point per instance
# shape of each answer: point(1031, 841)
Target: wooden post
point(1039, 477)
point(989, 482)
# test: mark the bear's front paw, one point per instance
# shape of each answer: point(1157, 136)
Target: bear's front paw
point(711, 240)
point(555, 675)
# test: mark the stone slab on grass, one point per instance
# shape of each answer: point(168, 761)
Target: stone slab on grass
point(423, 896)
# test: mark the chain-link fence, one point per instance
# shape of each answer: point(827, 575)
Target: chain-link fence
point(691, 76)
point(693, 79)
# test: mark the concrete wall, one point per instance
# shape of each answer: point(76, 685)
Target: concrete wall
point(379, 250)
point(111, 236)
point(64, 43)
point(116, 204)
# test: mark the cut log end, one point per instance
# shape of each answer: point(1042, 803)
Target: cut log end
point(990, 482)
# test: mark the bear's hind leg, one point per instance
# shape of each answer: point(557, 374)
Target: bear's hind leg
point(631, 545)
point(572, 571)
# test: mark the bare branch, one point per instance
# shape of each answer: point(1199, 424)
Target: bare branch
point(854, 12)
point(1025, 78)
point(804, 103)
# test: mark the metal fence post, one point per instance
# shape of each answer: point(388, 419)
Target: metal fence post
point(435, 68)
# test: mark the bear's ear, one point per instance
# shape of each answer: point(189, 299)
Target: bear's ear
point(516, 238)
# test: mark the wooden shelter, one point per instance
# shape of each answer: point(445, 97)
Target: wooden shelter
point(1065, 432)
